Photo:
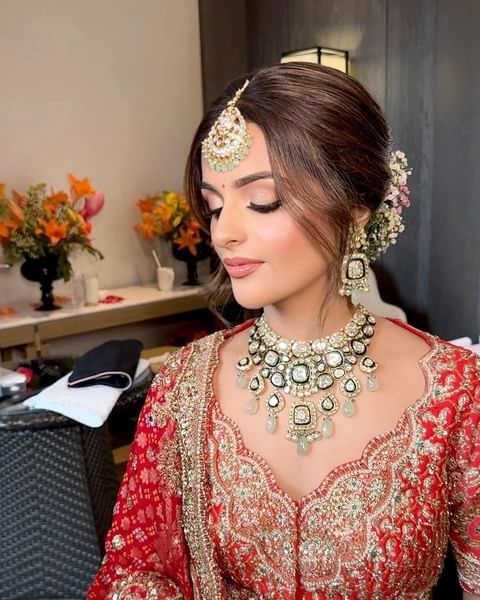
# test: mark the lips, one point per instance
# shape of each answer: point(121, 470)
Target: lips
point(241, 267)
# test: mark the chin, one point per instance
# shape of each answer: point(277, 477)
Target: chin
point(249, 301)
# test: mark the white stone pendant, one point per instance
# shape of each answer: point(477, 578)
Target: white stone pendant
point(303, 445)
point(372, 383)
point(356, 297)
point(251, 406)
point(326, 428)
point(348, 408)
point(271, 424)
point(241, 380)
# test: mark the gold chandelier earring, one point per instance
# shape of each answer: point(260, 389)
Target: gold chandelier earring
point(355, 265)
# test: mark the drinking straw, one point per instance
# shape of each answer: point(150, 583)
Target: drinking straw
point(157, 261)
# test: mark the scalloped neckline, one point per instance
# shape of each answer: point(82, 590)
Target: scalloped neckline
point(342, 468)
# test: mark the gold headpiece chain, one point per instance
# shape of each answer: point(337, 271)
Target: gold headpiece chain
point(228, 141)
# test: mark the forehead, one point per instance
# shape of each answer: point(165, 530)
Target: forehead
point(256, 160)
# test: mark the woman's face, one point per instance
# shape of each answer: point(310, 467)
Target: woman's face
point(265, 252)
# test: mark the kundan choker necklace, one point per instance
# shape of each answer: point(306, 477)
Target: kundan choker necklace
point(301, 369)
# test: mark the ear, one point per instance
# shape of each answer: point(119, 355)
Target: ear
point(361, 215)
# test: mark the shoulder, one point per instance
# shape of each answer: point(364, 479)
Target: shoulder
point(454, 379)
point(399, 344)
point(415, 342)
point(452, 373)
point(174, 361)
point(209, 346)
point(189, 361)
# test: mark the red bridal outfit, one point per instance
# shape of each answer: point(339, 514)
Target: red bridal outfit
point(200, 516)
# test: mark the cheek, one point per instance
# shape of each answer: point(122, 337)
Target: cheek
point(287, 241)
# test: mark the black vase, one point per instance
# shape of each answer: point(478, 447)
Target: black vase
point(44, 270)
point(191, 260)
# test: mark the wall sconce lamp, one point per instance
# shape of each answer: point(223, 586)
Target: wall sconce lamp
point(337, 59)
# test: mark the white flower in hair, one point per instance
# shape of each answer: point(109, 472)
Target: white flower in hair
point(387, 222)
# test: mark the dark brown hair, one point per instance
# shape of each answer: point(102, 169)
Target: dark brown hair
point(328, 143)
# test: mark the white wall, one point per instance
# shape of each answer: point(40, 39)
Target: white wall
point(108, 89)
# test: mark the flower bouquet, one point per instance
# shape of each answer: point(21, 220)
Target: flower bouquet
point(168, 216)
point(43, 227)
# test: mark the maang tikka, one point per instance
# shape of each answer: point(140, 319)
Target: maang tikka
point(228, 141)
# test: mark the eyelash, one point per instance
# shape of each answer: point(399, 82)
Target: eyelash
point(260, 208)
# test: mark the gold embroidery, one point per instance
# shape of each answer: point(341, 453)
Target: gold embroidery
point(394, 529)
point(239, 481)
point(369, 514)
point(143, 586)
point(168, 465)
point(191, 399)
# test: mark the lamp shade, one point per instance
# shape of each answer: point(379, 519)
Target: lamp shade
point(330, 57)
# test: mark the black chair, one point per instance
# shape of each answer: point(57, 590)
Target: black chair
point(58, 486)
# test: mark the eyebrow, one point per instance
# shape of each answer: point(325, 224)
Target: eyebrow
point(239, 182)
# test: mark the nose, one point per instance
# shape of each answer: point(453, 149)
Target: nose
point(228, 228)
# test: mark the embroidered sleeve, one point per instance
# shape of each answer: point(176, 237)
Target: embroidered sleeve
point(146, 553)
point(465, 484)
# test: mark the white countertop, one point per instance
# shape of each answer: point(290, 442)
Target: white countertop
point(133, 296)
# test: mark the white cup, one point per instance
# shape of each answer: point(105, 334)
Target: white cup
point(165, 277)
point(90, 283)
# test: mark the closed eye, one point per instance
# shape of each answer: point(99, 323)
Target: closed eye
point(265, 208)
point(211, 214)
point(260, 208)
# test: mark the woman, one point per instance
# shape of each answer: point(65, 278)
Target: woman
point(265, 466)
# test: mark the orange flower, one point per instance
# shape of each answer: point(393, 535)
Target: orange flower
point(80, 187)
point(146, 204)
point(58, 197)
point(188, 238)
point(163, 214)
point(163, 211)
point(166, 227)
point(193, 225)
point(86, 228)
point(54, 230)
point(169, 216)
point(2, 191)
point(183, 204)
point(6, 227)
point(51, 203)
point(148, 228)
point(19, 199)
point(15, 208)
